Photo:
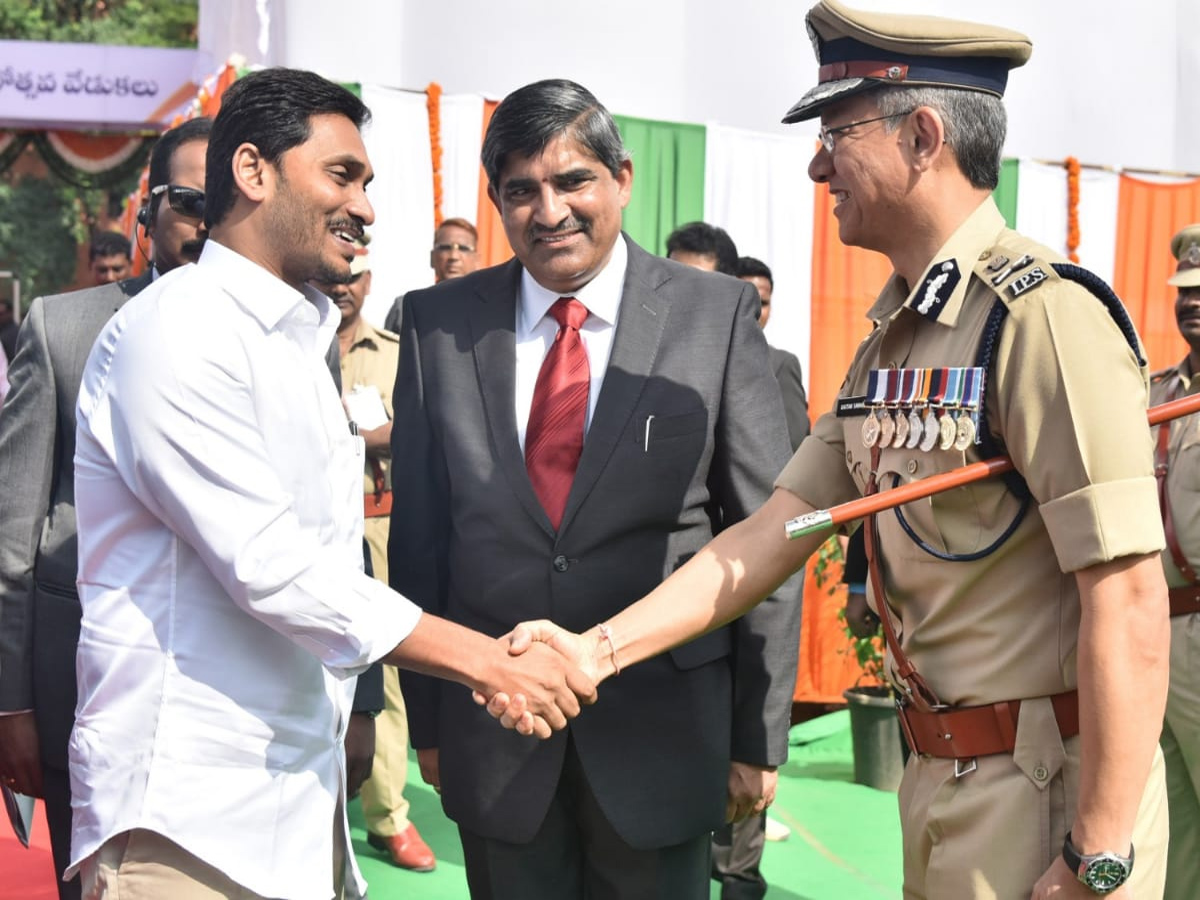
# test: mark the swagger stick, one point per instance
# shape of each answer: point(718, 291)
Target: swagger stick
point(822, 519)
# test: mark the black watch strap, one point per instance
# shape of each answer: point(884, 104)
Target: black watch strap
point(1099, 872)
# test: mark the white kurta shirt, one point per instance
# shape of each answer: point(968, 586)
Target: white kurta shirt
point(219, 500)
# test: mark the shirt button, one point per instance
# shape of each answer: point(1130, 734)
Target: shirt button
point(561, 564)
point(1040, 774)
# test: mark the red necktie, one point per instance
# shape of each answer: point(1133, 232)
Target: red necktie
point(554, 436)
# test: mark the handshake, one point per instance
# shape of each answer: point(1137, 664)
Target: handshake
point(546, 675)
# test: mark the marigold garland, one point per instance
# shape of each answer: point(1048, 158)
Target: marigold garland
point(1072, 166)
point(433, 103)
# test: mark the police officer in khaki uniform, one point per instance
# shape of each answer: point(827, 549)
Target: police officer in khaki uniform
point(1177, 461)
point(369, 360)
point(1033, 608)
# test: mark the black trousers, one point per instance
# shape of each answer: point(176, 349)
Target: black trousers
point(737, 853)
point(576, 855)
point(57, 785)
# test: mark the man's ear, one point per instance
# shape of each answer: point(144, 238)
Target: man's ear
point(253, 175)
point(494, 198)
point(927, 136)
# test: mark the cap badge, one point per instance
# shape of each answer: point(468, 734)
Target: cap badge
point(894, 72)
point(1193, 254)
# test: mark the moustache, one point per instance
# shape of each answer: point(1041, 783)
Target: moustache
point(574, 224)
point(193, 247)
point(353, 225)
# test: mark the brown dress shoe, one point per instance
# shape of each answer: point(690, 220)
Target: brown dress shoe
point(407, 849)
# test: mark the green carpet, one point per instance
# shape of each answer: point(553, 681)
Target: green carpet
point(845, 842)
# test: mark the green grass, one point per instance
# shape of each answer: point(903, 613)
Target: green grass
point(845, 842)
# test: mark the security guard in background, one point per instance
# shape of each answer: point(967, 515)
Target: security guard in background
point(1028, 615)
point(369, 358)
point(1177, 451)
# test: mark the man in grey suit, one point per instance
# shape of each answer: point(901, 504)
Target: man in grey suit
point(525, 500)
point(39, 607)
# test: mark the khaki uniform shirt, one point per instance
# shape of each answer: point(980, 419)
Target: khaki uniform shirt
point(1066, 399)
point(372, 361)
point(1183, 467)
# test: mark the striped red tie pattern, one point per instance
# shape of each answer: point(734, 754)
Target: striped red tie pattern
point(554, 436)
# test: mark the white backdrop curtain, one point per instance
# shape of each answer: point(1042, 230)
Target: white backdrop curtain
point(757, 188)
point(397, 141)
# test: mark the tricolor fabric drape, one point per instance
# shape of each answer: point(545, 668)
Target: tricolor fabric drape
point(755, 185)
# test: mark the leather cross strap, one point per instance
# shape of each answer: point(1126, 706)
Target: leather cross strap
point(380, 502)
point(930, 726)
point(964, 732)
point(1184, 600)
point(920, 694)
point(1161, 464)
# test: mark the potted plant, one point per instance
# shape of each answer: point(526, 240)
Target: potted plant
point(879, 750)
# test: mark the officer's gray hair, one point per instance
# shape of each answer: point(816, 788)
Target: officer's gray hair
point(975, 125)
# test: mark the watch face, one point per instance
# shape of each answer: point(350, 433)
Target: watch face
point(1105, 874)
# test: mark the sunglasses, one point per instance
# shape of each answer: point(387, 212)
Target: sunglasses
point(184, 200)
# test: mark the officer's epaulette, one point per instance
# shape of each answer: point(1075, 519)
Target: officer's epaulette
point(390, 336)
point(1014, 267)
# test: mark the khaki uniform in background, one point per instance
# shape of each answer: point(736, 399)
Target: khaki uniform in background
point(1066, 399)
point(372, 361)
point(1181, 729)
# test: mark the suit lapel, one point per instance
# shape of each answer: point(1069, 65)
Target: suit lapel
point(131, 287)
point(640, 328)
point(493, 317)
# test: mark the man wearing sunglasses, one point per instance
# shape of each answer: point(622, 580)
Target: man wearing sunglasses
point(39, 606)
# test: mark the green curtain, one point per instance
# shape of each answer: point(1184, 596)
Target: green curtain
point(668, 178)
point(1006, 191)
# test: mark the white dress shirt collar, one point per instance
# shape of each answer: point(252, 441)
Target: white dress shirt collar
point(601, 295)
point(264, 295)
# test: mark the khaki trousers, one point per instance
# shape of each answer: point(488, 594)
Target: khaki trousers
point(144, 865)
point(992, 833)
point(384, 807)
point(1181, 750)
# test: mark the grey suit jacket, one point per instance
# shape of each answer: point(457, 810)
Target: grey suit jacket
point(687, 436)
point(39, 608)
point(791, 386)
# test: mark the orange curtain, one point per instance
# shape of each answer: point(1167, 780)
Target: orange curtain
point(845, 281)
point(1148, 215)
point(827, 662)
point(493, 244)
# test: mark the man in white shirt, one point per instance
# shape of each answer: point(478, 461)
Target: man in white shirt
point(225, 611)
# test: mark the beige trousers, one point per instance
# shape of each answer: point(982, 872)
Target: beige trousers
point(992, 833)
point(1181, 749)
point(144, 865)
point(384, 807)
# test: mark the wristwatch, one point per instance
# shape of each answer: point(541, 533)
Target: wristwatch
point(1099, 872)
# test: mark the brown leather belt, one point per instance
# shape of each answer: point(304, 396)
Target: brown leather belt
point(376, 505)
point(968, 731)
point(1184, 600)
